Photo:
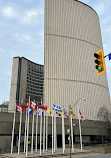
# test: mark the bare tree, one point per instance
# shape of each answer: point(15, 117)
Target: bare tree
point(105, 117)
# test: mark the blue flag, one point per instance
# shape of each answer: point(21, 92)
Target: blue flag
point(54, 107)
point(109, 56)
point(58, 108)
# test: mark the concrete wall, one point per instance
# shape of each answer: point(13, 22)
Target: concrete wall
point(89, 128)
point(71, 37)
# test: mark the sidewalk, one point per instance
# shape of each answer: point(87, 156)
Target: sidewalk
point(48, 154)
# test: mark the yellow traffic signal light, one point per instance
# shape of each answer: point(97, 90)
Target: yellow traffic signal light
point(99, 60)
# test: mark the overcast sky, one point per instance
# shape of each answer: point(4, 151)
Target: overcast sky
point(22, 34)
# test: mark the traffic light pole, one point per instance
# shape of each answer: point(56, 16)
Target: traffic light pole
point(109, 55)
point(106, 55)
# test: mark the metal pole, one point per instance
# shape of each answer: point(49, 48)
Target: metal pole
point(19, 132)
point(36, 129)
point(62, 131)
point(32, 133)
point(44, 134)
point(25, 132)
point(52, 132)
point(80, 130)
point(106, 56)
point(46, 131)
point(56, 132)
point(13, 131)
point(72, 135)
point(41, 129)
point(70, 130)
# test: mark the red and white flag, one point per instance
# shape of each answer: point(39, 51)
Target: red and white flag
point(80, 114)
point(18, 108)
point(33, 105)
point(43, 107)
point(24, 107)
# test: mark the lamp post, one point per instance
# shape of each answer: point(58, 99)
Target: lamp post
point(70, 122)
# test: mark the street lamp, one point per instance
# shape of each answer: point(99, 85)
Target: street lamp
point(70, 122)
point(80, 99)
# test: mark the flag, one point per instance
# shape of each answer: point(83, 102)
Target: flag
point(64, 111)
point(29, 110)
point(73, 115)
point(43, 107)
point(80, 114)
point(24, 107)
point(71, 110)
point(54, 107)
point(109, 56)
point(59, 113)
point(58, 108)
point(35, 112)
point(48, 111)
point(33, 105)
point(40, 112)
point(18, 108)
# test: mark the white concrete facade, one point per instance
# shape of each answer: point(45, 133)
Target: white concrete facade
point(71, 37)
point(13, 89)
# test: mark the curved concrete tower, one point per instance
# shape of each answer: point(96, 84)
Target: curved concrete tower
point(72, 35)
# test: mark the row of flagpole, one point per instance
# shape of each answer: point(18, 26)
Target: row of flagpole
point(26, 134)
point(54, 132)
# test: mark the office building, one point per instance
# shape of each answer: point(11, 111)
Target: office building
point(27, 80)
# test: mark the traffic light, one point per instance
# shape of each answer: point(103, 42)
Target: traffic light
point(99, 60)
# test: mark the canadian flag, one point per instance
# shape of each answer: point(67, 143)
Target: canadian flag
point(24, 107)
point(33, 105)
point(80, 114)
point(18, 108)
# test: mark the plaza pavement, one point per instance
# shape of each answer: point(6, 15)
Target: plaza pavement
point(58, 154)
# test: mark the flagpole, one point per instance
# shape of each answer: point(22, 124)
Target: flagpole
point(25, 132)
point(13, 131)
point(44, 134)
point(56, 132)
point(32, 133)
point(41, 129)
point(19, 131)
point(62, 131)
point(46, 131)
point(72, 135)
point(52, 132)
point(80, 130)
point(36, 129)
